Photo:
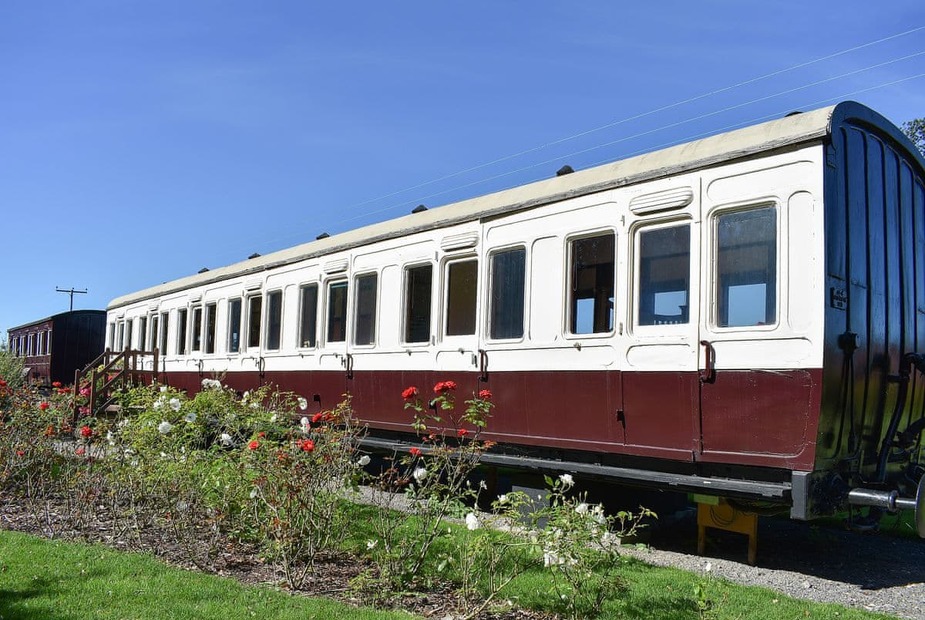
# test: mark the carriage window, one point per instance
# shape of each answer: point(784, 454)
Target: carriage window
point(592, 284)
point(234, 325)
point(210, 328)
point(418, 291)
point(127, 340)
point(461, 290)
point(506, 305)
point(664, 276)
point(337, 311)
point(154, 323)
point(165, 323)
point(746, 268)
point(181, 331)
point(365, 319)
point(197, 329)
point(142, 332)
point(254, 307)
point(308, 326)
point(274, 319)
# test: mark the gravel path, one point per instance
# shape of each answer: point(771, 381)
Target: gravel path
point(876, 572)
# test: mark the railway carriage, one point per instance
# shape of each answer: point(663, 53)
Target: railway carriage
point(743, 315)
point(54, 347)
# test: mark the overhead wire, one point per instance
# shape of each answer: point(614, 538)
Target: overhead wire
point(639, 116)
point(656, 130)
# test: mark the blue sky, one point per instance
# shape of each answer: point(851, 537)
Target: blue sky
point(142, 141)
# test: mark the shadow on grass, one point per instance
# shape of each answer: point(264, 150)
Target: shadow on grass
point(662, 608)
point(15, 604)
point(37, 599)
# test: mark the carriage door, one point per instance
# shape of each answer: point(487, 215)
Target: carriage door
point(330, 382)
point(661, 398)
point(457, 350)
point(761, 240)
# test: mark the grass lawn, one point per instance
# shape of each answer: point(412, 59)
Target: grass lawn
point(52, 580)
point(652, 593)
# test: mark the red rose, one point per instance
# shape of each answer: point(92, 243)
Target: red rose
point(485, 394)
point(409, 393)
point(462, 432)
point(253, 444)
point(20, 453)
point(415, 452)
point(86, 432)
point(44, 406)
point(306, 445)
point(317, 417)
point(2, 383)
point(80, 452)
point(56, 384)
point(261, 434)
point(444, 386)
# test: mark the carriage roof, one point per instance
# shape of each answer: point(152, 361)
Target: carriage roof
point(734, 145)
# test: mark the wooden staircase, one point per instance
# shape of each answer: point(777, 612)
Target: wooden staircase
point(113, 372)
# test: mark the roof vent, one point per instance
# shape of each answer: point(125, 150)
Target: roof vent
point(564, 170)
point(203, 270)
point(254, 255)
point(322, 236)
point(419, 209)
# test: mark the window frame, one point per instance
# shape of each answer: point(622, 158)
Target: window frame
point(635, 279)
point(405, 308)
point(163, 333)
point(195, 344)
point(568, 282)
point(489, 292)
point(154, 320)
point(249, 318)
point(268, 321)
point(355, 310)
point(445, 267)
point(182, 337)
point(210, 320)
point(143, 332)
point(713, 273)
point(328, 284)
point(300, 338)
point(229, 348)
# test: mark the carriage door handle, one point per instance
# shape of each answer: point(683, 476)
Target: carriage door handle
point(483, 365)
point(349, 366)
point(708, 374)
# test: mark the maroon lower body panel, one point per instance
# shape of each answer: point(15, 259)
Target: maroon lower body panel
point(752, 418)
point(762, 417)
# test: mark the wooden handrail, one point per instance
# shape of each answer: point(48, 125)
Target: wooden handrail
point(111, 372)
